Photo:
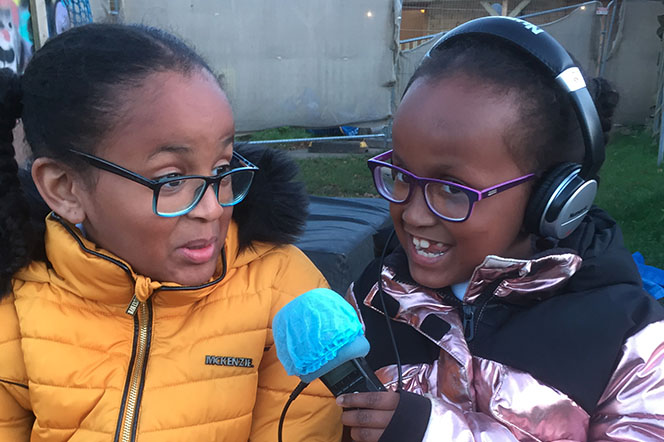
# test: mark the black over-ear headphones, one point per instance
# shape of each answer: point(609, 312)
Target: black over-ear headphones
point(566, 192)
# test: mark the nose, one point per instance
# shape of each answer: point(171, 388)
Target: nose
point(416, 212)
point(208, 208)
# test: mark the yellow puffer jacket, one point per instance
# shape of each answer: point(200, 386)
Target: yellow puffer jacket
point(188, 365)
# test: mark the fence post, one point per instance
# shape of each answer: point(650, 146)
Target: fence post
point(660, 153)
point(607, 48)
point(39, 22)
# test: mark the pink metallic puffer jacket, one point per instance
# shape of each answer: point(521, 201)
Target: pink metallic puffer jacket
point(565, 346)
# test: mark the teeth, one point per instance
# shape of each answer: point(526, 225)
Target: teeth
point(422, 244)
point(429, 255)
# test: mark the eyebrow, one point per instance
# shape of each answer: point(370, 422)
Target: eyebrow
point(170, 149)
point(440, 170)
point(184, 149)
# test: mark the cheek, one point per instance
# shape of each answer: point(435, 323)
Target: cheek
point(120, 219)
point(396, 211)
point(494, 227)
point(224, 222)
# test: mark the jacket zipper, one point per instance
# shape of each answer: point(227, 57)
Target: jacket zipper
point(127, 433)
point(470, 318)
point(469, 321)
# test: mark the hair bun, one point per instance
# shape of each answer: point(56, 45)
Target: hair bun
point(605, 97)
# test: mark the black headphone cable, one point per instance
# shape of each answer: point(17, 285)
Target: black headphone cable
point(381, 294)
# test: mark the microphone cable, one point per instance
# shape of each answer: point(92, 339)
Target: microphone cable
point(300, 387)
point(387, 317)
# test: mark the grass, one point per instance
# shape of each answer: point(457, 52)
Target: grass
point(346, 176)
point(632, 188)
point(278, 133)
point(632, 191)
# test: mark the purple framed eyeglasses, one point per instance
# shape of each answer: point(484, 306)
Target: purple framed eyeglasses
point(450, 201)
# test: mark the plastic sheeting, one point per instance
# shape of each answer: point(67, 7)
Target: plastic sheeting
point(339, 236)
point(633, 58)
point(310, 63)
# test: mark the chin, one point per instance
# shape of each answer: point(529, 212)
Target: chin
point(433, 279)
point(426, 278)
point(190, 277)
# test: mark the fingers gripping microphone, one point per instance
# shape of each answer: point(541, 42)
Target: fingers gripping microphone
point(318, 335)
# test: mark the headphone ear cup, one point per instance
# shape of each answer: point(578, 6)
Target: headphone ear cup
point(544, 194)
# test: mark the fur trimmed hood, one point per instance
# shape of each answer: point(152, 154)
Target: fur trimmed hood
point(275, 209)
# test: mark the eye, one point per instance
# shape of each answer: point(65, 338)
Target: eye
point(171, 184)
point(399, 176)
point(221, 169)
point(452, 190)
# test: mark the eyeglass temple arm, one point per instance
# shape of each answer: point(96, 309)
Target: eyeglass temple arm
point(505, 186)
point(244, 160)
point(114, 168)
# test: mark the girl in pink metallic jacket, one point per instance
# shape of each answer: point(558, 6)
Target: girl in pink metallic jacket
point(517, 313)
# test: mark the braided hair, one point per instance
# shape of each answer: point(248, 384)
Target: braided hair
point(16, 234)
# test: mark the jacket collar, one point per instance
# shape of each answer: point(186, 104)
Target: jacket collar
point(523, 281)
point(517, 281)
point(77, 265)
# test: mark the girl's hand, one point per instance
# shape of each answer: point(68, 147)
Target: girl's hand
point(367, 414)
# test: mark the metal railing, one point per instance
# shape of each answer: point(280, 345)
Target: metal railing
point(555, 10)
point(313, 139)
point(412, 43)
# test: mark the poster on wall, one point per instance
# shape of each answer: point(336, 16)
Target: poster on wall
point(16, 39)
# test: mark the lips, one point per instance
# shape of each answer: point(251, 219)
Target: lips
point(199, 251)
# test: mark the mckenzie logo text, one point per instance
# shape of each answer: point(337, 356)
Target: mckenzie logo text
point(229, 361)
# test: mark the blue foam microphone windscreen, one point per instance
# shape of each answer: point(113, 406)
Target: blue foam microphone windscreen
point(318, 334)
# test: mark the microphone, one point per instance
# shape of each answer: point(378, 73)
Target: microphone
point(318, 335)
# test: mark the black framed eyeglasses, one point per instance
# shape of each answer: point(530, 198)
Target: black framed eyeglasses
point(178, 195)
point(448, 200)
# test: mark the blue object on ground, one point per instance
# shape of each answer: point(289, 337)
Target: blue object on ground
point(350, 130)
point(653, 278)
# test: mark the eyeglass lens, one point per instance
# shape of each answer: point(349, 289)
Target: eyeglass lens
point(446, 200)
point(181, 195)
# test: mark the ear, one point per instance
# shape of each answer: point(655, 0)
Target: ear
point(60, 187)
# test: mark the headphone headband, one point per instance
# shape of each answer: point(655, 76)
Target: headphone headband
point(540, 45)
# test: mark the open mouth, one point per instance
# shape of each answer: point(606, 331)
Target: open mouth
point(199, 252)
point(426, 248)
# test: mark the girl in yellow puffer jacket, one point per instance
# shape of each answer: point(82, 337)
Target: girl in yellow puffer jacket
point(143, 312)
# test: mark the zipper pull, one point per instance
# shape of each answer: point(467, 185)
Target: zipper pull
point(133, 306)
point(469, 322)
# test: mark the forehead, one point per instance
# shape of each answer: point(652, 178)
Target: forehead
point(171, 108)
point(455, 123)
